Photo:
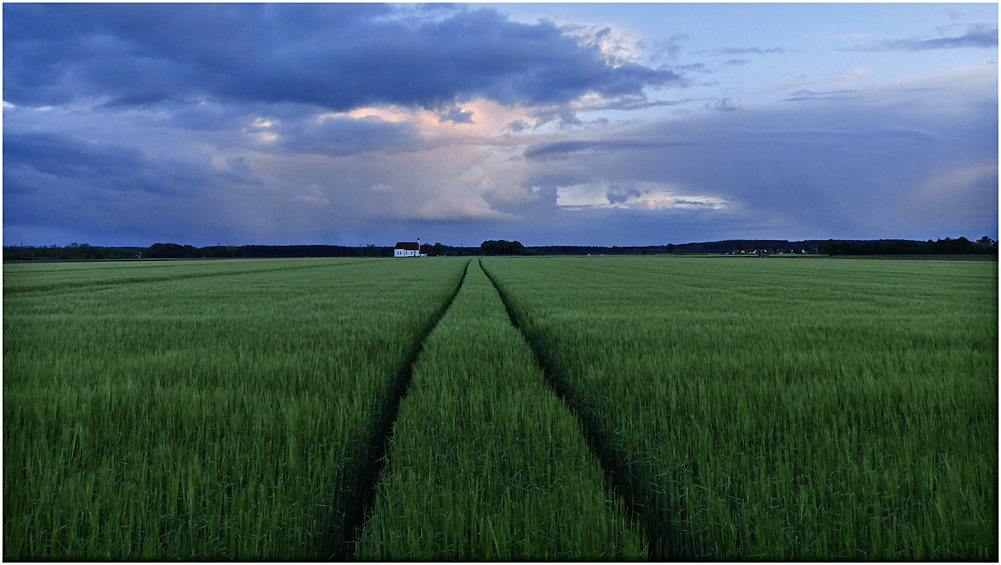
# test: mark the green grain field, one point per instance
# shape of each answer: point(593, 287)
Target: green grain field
point(486, 462)
point(543, 408)
point(784, 409)
point(215, 411)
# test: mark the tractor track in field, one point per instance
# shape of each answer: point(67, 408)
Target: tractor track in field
point(356, 503)
point(623, 477)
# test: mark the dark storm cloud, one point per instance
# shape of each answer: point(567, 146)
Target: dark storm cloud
point(721, 105)
point(563, 149)
point(627, 103)
point(616, 195)
point(695, 67)
point(336, 56)
point(341, 136)
point(977, 36)
point(683, 136)
point(57, 184)
point(35, 159)
point(211, 115)
point(564, 116)
point(135, 101)
point(517, 126)
point(456, 115)
point(32, 160)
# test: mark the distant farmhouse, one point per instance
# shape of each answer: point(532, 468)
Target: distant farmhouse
point(408, 249)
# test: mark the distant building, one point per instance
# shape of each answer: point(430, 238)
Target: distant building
point(762, 253)
point(408, 249)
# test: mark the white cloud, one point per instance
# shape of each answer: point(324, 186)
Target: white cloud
point(313, 195)
point(618, 47)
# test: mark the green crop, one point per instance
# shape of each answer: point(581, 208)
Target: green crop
point(804, 410)
point(37, 277)
point(740, 408)
point(218, 416)
point(486, 462)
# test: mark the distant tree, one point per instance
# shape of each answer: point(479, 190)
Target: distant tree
point(82, 251)
point(670, 248)
point(739, 246)
point(830, 247)
point(85, 251)
point(502, 247)
point(220, 251)
point(166, 251)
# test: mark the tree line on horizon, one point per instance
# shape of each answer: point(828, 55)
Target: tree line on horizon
point(82, 251)
point(947, 246)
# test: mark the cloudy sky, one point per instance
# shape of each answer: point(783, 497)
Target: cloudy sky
point(592, 124)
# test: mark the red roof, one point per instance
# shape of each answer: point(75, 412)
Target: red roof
point(408, 245)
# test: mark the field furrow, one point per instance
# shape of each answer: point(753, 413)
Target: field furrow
point(622, 474)
point(373, 460)
point(789, 409)
point(208, 418)
point(486, 462)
